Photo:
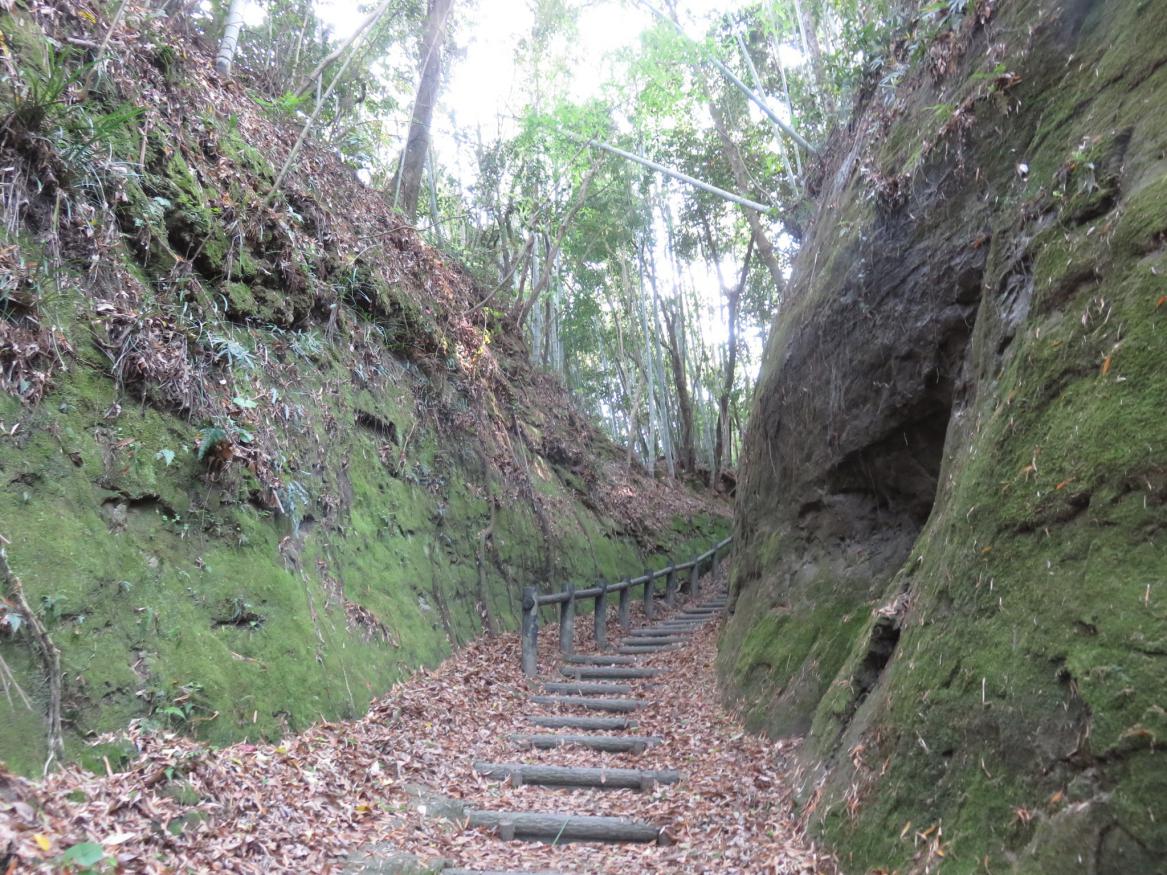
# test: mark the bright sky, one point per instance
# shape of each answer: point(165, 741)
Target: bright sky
point(483, 87)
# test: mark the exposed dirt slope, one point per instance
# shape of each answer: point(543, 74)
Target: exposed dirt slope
point(950, 521)
point(259, 454)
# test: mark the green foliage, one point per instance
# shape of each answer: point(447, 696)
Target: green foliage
point(38, 95)
point(209, 438)
point(48, 103)
point(83, 857)
point(228, 349)
point(283, 106)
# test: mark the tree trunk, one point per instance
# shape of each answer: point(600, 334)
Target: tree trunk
point(664, 408)
point(783, 152)
point(758, 233)
point(230, 41)
point(412, 167)
point(674, 326)
point(810, 45)
point(521, 309)
point(734, 298)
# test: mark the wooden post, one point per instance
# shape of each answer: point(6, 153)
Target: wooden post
point(601, 618)
point(695, 582)
point(713, 563)
point(648, 594)
point(671, 586)
point(530, 630)
point(567, 621)
point(624, 606)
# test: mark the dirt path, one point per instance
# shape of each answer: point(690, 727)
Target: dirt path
point(310, 802)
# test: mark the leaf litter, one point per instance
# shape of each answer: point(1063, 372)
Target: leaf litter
point(308, 802)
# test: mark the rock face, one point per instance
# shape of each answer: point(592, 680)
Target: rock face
point(951, 560)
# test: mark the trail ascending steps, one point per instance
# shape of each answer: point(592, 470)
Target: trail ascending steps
point(458, 767)
point(629, 766)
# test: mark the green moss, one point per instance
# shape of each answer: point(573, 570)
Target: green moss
point(242, 153)
point(786, 657)
point(146, 567)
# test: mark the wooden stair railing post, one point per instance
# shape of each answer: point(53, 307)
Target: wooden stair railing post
point(624, 606)
point(648, 582)
point(713, 562)
point(695, 582)
point(601, 617)
point(530, 630)
point(567, 622)
point(671, 586)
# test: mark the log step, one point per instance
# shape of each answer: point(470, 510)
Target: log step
point(556, 828)
point(580, 672)
point(571, 776)
point(658, 633)
point(592, 703)
point(599, 660)
point(646, 651)
point(654, 641)
point(499, 872)
point(578, 689)
point(568, 721)
point(636, 744)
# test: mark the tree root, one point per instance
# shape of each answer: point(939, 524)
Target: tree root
point(49, 655)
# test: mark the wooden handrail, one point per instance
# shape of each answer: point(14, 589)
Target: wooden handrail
point(567, 598)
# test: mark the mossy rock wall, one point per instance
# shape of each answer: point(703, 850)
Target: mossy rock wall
point(256, 463)
point(951, 563)
point(174, 596)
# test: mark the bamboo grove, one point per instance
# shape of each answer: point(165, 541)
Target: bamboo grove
point(638, 231)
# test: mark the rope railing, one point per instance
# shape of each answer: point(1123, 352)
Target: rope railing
point(566, 598)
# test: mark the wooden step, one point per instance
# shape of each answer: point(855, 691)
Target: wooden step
point(571, 721)
point(658, 633)
point(557, 828)
point(499, 872)
point(580, 672)
point(599, 660)
point(653, 641)
point(636, 744)
point(592, 703)
point(646, 650)
point(571, 776)
point(578, 689)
